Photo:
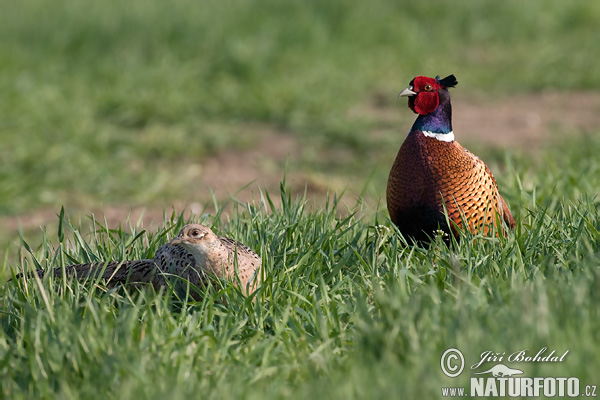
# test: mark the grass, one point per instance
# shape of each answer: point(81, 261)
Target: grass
point(347, 309)
point(111, 102)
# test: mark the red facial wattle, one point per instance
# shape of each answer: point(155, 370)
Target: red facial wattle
point(424, 102)
point(427, 98)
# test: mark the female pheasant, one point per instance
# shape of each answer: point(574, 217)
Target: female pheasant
point(433, 173)
point(196, 255)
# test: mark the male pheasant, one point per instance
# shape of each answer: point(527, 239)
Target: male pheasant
point(196, 254)
point(434, 174)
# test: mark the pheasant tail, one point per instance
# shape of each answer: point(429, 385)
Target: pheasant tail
point(113, 272)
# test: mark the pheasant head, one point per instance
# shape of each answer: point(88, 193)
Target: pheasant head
point(429, 97)
point(424, 93)
point(199, 240)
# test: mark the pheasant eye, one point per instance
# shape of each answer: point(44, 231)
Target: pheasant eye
point(428, 88)
point(195, 233)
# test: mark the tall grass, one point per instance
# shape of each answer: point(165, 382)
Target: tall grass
point(346, 309)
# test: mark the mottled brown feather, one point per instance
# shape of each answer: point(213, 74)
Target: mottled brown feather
point(187, 257)
point(113, 272)
point(428, 175)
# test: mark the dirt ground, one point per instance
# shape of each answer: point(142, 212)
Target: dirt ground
point(520, 122)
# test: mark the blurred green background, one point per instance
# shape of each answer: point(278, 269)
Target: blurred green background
point(121, 105)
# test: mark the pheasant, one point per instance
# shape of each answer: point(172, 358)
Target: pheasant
point(195, 254)
point(434, 174)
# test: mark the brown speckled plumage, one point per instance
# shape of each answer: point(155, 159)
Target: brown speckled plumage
point(430, 174)
point(195, 254)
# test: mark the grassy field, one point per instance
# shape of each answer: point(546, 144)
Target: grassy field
point(122, 103)
point(346, 310)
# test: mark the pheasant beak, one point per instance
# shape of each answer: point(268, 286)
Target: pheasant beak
point(407, 92)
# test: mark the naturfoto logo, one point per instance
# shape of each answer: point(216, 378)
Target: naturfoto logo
point(501, 380)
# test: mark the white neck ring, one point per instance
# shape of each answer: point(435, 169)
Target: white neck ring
point(443, 137)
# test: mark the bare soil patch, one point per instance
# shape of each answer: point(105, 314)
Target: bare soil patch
point(525, 122)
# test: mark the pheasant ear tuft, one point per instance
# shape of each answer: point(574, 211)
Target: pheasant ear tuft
point(448, 82)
